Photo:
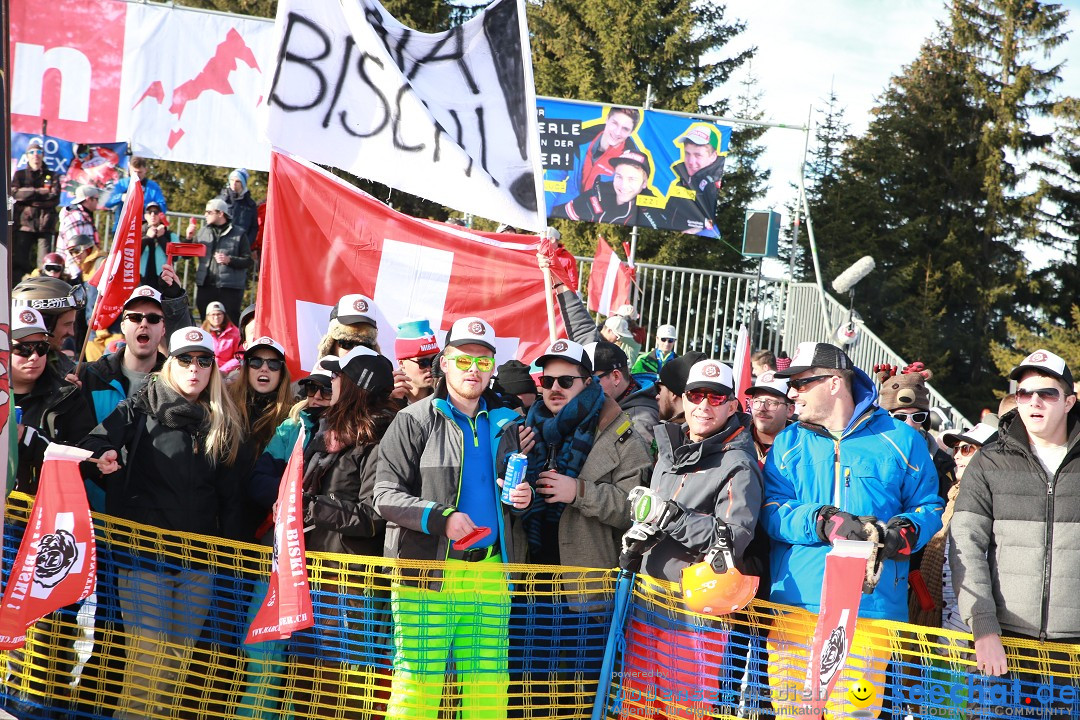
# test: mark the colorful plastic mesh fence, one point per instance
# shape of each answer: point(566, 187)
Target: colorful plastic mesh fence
point(165, 640)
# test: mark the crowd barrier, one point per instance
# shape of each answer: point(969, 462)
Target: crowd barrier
point(565, 643)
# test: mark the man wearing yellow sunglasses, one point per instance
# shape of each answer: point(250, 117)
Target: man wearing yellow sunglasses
point(437, 484)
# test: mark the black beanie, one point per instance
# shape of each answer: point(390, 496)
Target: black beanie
point(675, 372)
point(514, 378)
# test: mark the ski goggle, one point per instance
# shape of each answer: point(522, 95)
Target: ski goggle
point(565, 381)
point(696, 396)
point(465, 362)
point(40, 348)
point(204, 361)
point(273, 364)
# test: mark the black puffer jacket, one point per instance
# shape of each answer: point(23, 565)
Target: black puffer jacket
point(232, 241)
point(54, 411)
point(166, 478)
point(243, 212)
point(338, 489)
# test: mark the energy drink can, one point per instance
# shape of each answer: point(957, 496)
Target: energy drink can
point(516, 467)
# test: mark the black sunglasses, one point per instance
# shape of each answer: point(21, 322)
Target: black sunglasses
point(667, 339)
point(137, 317)
point(41, 347)
point(423, 362)
point(807, 381)
point(274, 364)
point(915, 417)
point(311, 389)
point(565, 381)
point(204, 361)
point(348, 344)
point(53, 268)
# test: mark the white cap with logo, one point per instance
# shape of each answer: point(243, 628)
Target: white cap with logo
point(711, 375)
point(190, 339)
point(471, 331)
point(566, 350)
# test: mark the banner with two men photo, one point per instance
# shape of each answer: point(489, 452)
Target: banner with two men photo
point(626, 166)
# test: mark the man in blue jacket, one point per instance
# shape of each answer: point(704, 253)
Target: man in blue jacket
point(847, 470)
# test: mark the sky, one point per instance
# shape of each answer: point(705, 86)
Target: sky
point(804, 49)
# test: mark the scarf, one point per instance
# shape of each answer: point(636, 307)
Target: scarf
point(567, 437)
point(171, 408)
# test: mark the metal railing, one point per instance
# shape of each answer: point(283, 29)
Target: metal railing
point(707, 309)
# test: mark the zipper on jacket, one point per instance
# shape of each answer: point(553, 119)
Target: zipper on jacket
point(836, 474)
point(1048, 558)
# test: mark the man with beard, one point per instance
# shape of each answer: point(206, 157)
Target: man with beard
point(846, 471)
point(436, 483)
point(613, 370)
point(587, 458)
point(771, 411)
point(416, 349)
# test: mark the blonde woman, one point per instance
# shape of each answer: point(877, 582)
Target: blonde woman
point(165, 456)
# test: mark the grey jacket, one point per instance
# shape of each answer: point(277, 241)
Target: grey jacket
point(717, 478)
point(418, 481)
point(591, 527)
point(1015, 538)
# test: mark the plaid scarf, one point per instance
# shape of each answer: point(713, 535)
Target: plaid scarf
point(569, 435)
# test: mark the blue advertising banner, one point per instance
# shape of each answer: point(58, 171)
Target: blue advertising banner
point(626, 166)
point(98, 164)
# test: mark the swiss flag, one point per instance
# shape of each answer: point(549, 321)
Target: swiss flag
point(57, 561)
point(325, 239)
point(609, 281)
point(287, 605)
point(120, 274)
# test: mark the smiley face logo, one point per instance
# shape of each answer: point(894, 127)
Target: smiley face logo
point(194, 336)
point(476, 328)
point(861, 693)
point(711, 371)
point(360, 305)
point(27, 317)
point(1037, 357)
point(560, 346)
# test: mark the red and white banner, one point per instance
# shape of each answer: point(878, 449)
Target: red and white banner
point(117, 278)
point(57, 561)
point(742, 370)
point(841, 593)
point(324, 239)
point(177, 83)
point(287, 605)
point(609, 280)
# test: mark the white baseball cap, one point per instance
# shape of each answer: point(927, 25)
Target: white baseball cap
point(265, 341)
point(469, 331)
point(711, 375)
point(667, 331)
point(26, 321)
point(188, 339)
point(1046, 363)
point(144, 292)
point(354, 309)
point(768, 383)
point(978, 436)
point(566, 350)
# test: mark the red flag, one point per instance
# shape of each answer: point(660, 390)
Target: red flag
point(841, 593)
point(57, 561)
point(325, 239)
point(287, 605)
point(743, 370)
point(121, 274)
point(563, 264)
point(609, 280)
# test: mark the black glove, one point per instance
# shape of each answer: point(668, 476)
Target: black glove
point(834, 524)
point(637, 541)
point(900, 538)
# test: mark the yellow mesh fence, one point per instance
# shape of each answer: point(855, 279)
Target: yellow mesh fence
point(164, 638)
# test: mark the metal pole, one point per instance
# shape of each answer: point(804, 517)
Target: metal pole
point(694, 116)
point(810, 226)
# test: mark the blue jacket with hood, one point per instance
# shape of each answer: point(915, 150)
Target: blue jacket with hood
point(879, 467)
